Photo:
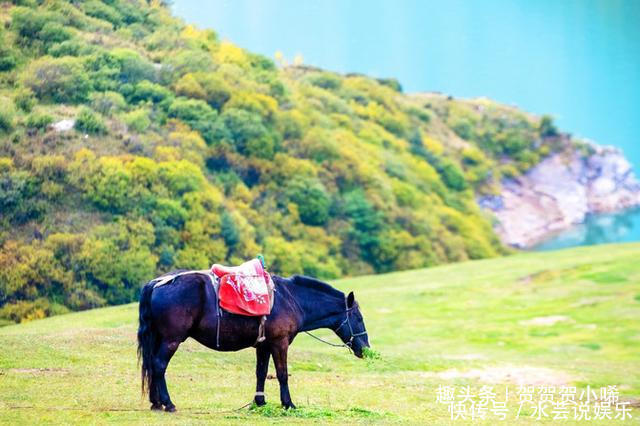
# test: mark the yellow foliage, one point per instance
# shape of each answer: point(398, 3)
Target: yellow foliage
point(167, 153)
point(6, 164)
point(432, 144)
point(189, 86)
point(203, 37)
point(230, 53)
point(260, 103)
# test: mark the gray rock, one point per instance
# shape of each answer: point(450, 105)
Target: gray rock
point(63, 125)
point(559, 192)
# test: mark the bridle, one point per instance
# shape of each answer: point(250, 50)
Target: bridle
point(347, 321)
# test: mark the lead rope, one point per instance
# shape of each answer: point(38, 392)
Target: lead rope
point(343, 345)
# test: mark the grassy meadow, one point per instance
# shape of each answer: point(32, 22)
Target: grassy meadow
point(566, 317)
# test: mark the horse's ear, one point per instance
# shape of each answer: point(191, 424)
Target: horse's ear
point(350, 300)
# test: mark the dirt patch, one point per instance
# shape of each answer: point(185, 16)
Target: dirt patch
point(519, 375)
point(549, 320)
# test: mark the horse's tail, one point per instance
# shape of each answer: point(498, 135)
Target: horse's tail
point(146, 337)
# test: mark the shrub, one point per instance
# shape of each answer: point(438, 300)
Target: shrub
point(325, 80)
point(49, 167)
point(25, 100)
point(7, 115)
point(452, 176)
point(25, 310)
point(513, 142)
point(6, 164)
point(39, 121)
point(109, 186)
point(53, 32)
point(191, 110)
point(312, 201)
point(27, 22)
point(137, 120)
point(208, 87)
point(104, 71)
point(169, 213)
point(17, 192)
point(70, 48)
point(107, 103)
point(248, 133)
point(463, 128)
point(117, 271)
point(7, 58)
point(366, 223)
point(181, 176)
point(547, 127)
point(58, 79)
point(89, 122)
point(133, 67)
point(100, 10)
point(198, 114)
point(189, 61)
point(229, 231)
point(392, 83)
point(148, 91)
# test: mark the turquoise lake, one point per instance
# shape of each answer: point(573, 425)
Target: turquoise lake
point(598, 229)
point(578, 60)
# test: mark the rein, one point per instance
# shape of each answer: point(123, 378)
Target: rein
point(352, 334)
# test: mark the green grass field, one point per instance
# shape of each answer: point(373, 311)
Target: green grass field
point(544, 318)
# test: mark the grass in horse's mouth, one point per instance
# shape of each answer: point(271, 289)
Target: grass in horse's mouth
point(368, 353)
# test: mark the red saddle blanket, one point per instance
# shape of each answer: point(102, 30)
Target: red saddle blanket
point(246, 289)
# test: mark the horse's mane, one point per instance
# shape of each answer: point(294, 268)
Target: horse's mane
point(314, 284)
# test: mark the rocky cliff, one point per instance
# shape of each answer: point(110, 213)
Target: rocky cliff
point(560, 191)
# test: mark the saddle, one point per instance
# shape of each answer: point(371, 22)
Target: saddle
point(246, 289)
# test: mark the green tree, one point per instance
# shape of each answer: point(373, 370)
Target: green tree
point(249, 134)
point(312, 201)
point(58, 79)
point(547, 127)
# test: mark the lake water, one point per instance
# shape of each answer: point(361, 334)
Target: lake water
point(598, 229)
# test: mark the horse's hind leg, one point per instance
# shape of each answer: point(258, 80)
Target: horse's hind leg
point(154, 396)
point(161, 360)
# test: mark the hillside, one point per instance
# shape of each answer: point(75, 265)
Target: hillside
point(132, 143)
point(554, 318)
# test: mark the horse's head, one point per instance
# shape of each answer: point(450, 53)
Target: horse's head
point(352, 330)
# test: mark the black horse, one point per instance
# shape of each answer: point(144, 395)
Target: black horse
point(188, 307)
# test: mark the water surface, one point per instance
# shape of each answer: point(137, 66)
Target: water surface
point(598, 229)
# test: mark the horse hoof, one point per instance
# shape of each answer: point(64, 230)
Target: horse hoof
point(170, 408)
point(260, 401)
point(289, 406)
point(156, 407)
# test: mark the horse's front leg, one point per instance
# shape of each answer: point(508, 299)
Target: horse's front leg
point(262, 366)
point(279, 351)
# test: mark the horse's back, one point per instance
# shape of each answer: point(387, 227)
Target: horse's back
point(177, 306)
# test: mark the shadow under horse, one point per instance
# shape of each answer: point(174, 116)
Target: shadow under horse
point(188, 307)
